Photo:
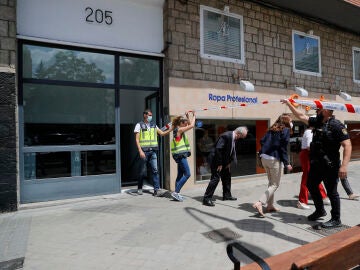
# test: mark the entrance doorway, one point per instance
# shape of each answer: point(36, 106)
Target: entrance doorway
point(77, 111)
point(129, 116)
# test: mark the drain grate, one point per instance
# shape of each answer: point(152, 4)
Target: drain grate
point(327, 232)
point(222, 235)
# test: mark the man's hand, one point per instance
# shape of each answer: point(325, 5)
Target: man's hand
point(142, 154)
point(219, 168)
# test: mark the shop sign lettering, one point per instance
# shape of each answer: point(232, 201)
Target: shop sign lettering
point(232, 98)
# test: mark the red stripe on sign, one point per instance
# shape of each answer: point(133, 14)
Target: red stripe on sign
point(242, 104)
point(265, 102)
point(205, 109)
point(223, 107)
point(350, 108)
point(318, 104)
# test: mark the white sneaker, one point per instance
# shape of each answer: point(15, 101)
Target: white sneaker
point(326, 201)
point(176, 196)
point(302, 205)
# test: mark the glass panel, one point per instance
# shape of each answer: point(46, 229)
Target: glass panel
point(306, 53)
point(67, 164)
point(357, 65)
point(206, 133)
point(63, 115)
point(139, 72)
point(222, 35)
point(98, 162)
point(354, 132)
point(67, 65)
point(47, 165)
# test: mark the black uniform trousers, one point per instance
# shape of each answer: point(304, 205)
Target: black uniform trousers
point(225, 176)
point(329, 175)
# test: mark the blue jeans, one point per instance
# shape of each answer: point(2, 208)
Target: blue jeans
point(150, 159)
point(183, 173)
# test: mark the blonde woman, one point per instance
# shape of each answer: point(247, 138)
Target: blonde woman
point(180, 150)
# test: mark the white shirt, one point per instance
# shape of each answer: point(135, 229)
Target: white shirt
point(233, 142)
point(306, 139)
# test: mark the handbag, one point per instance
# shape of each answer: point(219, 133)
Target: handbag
point(258, 161)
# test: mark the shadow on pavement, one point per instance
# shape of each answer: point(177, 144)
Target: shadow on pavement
point(250, 225)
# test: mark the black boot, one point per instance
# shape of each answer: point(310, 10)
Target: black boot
point(316, 215)
point(208, 202)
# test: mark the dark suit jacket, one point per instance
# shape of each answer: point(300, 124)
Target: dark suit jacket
point(222, 150)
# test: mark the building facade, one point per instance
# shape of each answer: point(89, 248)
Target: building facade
point(75, 78)
point(214, 45)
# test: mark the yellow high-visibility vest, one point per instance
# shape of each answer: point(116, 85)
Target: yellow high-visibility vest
point(148, 138)
point(181, 146)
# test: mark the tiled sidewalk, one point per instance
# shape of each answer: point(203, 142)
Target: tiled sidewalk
point(128, 231)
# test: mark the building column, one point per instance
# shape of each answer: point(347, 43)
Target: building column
point(8, 107)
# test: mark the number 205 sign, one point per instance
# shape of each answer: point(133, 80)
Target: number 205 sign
point(98, 16)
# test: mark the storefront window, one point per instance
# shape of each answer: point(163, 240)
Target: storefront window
point(354, 132)
point(139, 71)
point(64, 115)
point(67, 65)
point(206, 133)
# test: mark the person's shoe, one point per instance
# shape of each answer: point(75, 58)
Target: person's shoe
point(302, 205)
point(258, 207)
point(332, 223)
point(353, 196)
point(316, 215)
point(159, 193)
point(326, 201)
point(139, 192)
point(176, 196)
point(231, 198)
point(208, 202)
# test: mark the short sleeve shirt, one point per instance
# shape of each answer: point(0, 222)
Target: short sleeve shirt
point(306, 139)
point(336, 134)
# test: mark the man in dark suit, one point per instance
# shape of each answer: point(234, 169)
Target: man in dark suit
point(224, 153)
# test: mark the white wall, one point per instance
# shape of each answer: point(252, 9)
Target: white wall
point(136, 25)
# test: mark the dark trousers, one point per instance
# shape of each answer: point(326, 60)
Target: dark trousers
point(225, 176)
point(329, 175)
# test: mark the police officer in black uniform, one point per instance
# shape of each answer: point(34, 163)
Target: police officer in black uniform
point(325, 164)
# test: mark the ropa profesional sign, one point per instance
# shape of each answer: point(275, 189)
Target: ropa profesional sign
point(232, 98)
